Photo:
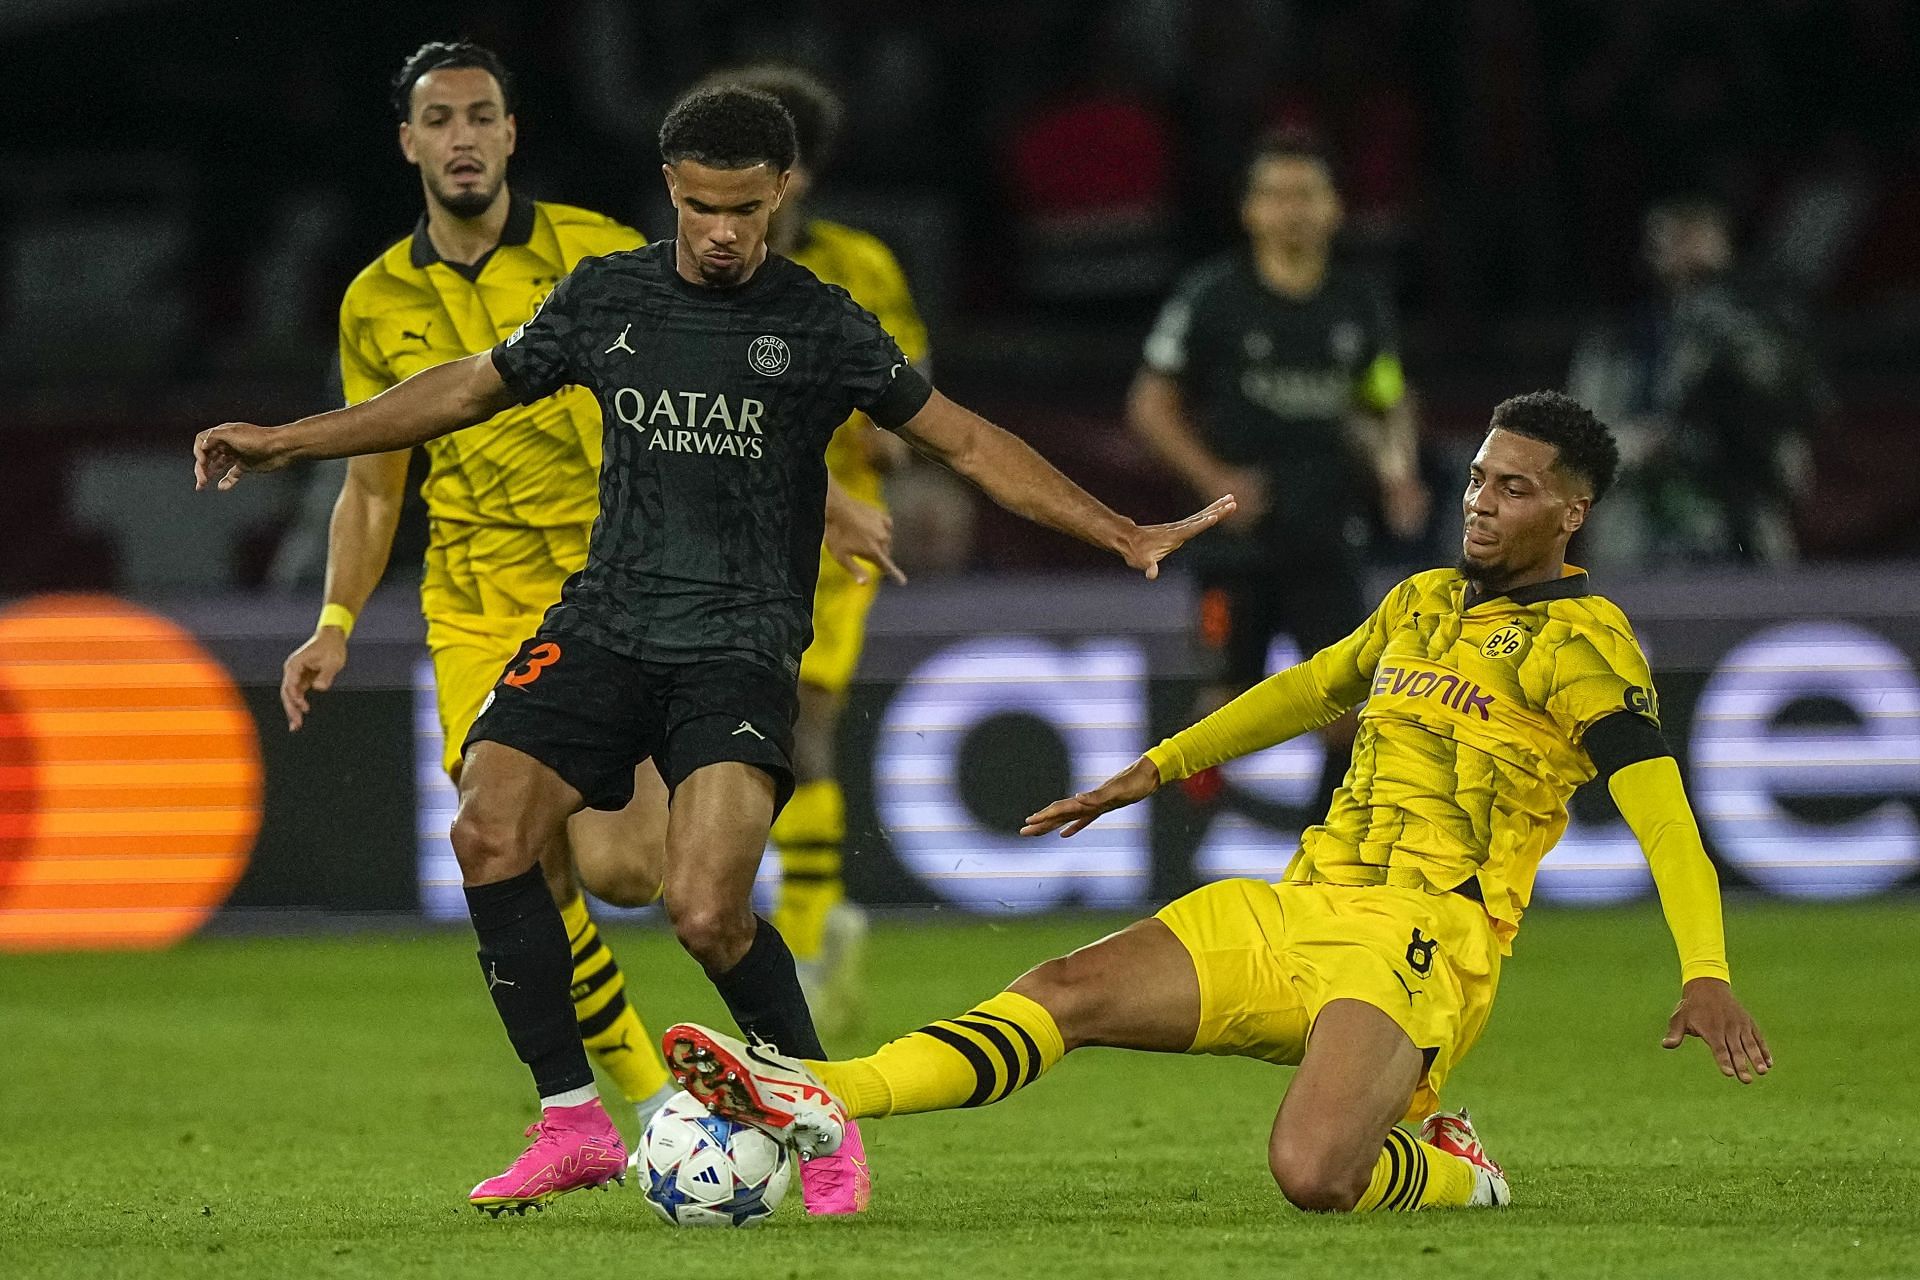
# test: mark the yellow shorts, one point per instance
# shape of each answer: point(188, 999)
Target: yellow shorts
point(1271, 956)
point(840, 608)
point(469, 654)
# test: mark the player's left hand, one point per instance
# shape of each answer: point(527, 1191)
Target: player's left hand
point(222, 454)
point(1147, 545)
point(1709, 1010)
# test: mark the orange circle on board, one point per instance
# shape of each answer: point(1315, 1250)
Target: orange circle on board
point(130, 777)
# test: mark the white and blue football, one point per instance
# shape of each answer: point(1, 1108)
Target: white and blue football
point(701, 1170)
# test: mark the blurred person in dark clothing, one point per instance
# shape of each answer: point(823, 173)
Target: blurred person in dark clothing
point(1274, 373)
point(1714, 392)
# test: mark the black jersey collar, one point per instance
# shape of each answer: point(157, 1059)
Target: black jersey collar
point(518, 229)
point(1570, 585)
point(668, 256)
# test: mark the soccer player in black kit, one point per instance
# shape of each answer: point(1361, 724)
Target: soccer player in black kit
point(1273, 373)
point(721, 371)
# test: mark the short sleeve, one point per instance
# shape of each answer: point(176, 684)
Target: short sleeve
point(540, 357)
point(1168, 342)
point(1597, 674)
point(363, 369)
point(874, 373)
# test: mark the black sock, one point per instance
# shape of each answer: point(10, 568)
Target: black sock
point(527, 964)
point(763, 994)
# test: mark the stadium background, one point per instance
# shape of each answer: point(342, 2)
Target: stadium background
point(185, 189)
point(179, 224)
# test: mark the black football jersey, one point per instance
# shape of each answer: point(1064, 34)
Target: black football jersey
point(717, 405)
point(1272, 380)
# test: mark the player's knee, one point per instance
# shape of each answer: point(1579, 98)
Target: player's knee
point(1312, 1180)
point(711, 934)
point(1066, 989)
point(488, 848)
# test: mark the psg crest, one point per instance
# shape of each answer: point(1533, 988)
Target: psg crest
point(769, 355)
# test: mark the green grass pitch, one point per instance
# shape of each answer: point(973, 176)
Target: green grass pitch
point(318, 1107)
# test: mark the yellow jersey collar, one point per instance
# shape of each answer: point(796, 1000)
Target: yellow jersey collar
point(518, 229)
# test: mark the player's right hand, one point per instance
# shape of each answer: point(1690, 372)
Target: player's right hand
point(222, 454)
point(312, 666)
point(1071, 816)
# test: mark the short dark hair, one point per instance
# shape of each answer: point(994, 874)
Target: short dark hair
point(1288, 143)
point(729, 127)
point(440, 55)
point(1586, 448)
point(816, 110)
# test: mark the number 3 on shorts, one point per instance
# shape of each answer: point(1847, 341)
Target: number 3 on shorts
point(539, 658)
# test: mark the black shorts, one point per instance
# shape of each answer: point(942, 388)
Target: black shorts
point(593, 715)
point(1242, 611)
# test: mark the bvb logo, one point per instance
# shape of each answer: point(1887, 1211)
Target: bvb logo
point(1503, 643)
point(769, 355)
point(1420, 953)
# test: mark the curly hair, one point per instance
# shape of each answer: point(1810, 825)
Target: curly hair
point(729, 127)
point(816, 110)
point(1586, 447)
point(440, 55)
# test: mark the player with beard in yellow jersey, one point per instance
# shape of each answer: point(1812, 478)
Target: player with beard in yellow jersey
point(825, 931)
point(510, 503)
point(1487, 693)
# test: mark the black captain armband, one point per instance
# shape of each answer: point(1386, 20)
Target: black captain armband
point(1621, 739)
point(905, 396)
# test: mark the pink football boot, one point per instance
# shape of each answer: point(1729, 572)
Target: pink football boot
point(573, 1147)
point(838, 1184)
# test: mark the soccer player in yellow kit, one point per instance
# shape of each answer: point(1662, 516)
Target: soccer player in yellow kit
point(825, 931)
point(1488, 692)
point(510, 503)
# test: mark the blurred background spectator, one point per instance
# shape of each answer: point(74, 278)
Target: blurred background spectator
point(177, 224)
point(1714, 392)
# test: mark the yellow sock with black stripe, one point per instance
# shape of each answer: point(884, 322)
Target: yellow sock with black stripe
point(1412, 1174)
point(979, 1057)
point(611, 1030)
point(809, 834)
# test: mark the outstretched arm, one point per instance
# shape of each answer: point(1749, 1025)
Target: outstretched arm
point(1008, 470)
point(1644, 780)
point(430, 404)
point(1298, 700)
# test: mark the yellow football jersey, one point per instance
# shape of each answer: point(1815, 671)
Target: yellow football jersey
point(1469, 740)
point(866, 269)
point(511, 502)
